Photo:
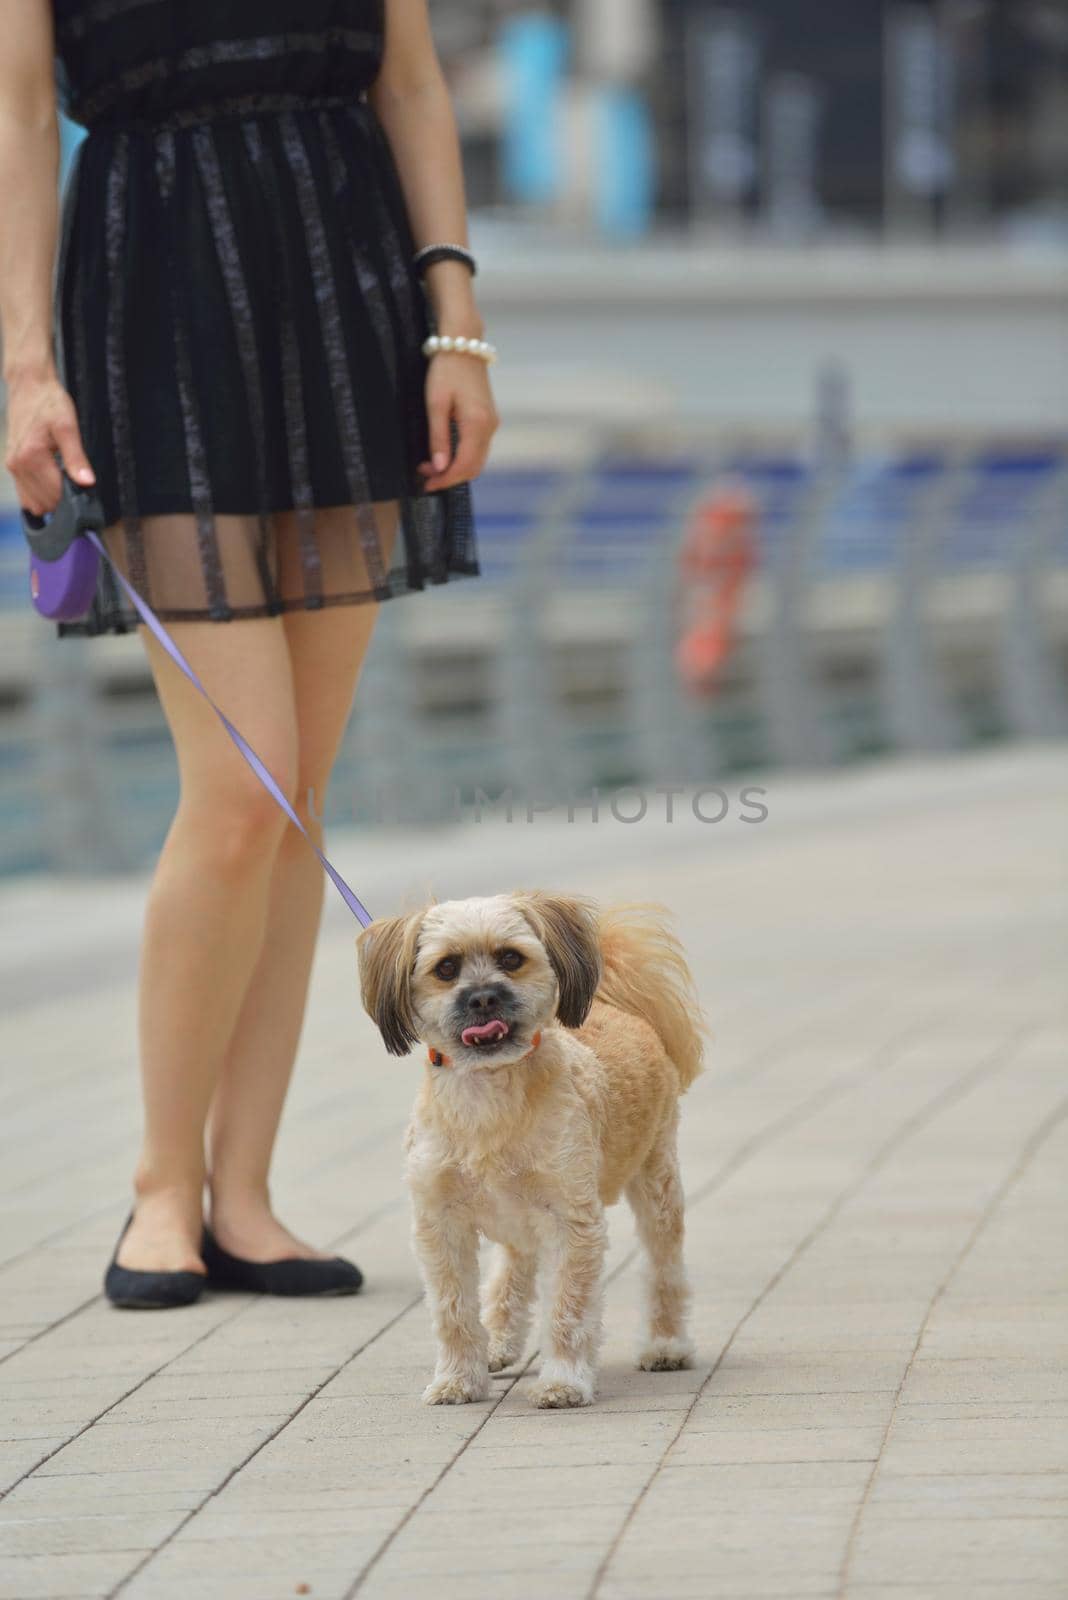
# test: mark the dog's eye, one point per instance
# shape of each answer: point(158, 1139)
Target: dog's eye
point(510, 960)
point(447, 968)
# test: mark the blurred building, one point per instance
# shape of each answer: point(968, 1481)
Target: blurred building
point(936, 117)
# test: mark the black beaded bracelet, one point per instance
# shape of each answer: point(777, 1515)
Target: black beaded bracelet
point(443, 252)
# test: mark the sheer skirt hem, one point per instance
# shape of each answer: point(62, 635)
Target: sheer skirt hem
point(279, 562)
point(127, 620)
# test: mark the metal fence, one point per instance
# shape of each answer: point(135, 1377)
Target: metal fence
point(912, 599)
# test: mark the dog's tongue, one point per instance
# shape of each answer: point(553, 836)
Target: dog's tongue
point(485, 1030)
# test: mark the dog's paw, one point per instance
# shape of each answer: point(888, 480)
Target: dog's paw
point(561, 1389)
point(455, 1391)
point(666, 1355)
point(502, 1354)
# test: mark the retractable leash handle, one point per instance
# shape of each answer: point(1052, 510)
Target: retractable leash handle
point(65, 552)
point(63, 564)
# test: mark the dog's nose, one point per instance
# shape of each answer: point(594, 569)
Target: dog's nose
point(482, 1000)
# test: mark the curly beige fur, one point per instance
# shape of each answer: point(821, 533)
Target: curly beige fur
point(527, 1137)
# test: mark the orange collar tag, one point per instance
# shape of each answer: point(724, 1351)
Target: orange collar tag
point(437, 1059)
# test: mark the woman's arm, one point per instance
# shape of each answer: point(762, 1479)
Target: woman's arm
point(40, 414)
point(411, 101)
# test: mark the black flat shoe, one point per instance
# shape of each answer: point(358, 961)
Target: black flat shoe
point(149, 1291)
point(293, 1275)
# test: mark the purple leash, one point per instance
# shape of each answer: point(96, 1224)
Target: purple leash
point(355, 905)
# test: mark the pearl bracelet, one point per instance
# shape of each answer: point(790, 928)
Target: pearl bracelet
point(468, 347)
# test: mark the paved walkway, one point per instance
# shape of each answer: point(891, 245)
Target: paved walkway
point(875, 1163)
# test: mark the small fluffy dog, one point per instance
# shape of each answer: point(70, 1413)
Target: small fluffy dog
point(559, 1038)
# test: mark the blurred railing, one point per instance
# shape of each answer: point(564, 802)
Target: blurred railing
point(912, 600)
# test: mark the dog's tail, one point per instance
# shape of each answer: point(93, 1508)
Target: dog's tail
point(645, 974)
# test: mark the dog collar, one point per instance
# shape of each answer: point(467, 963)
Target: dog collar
point(438, 1059)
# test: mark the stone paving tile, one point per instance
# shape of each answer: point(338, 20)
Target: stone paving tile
point(772, 1582)
point(911, 1589)
point(231, 1586)
point(799, 1445)
point(100, 1495)
point(724, 1414)
point(61, 1536)
point(972, 1494)
point(1013, 1549)
point(219, 1410)
point(881, 1061)
point(85, 1572)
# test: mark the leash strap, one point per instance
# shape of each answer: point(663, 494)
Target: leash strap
point(356, 906)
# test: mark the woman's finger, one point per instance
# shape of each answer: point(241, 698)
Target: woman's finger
point(69, 441)
point(439, 407)
point(476, 423)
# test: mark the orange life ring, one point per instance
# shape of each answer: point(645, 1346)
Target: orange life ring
point(717, 556)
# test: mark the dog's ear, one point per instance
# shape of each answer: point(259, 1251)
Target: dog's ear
point(567, 927)
point(385, 952)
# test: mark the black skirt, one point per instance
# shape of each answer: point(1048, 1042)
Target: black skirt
point(238, 319)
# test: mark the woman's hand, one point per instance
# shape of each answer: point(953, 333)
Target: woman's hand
point(41, 420)
point(457, 386)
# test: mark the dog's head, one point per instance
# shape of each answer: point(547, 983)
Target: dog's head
point(476, 979)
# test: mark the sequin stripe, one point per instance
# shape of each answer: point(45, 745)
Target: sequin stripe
point(196, 461)
point(223, 51)
point(115, 359)
point(230, 265)
point(369, 278)
point(377, 174)
point(381, 169)
point(367, 275)
point(333, 338)
point(292, 384)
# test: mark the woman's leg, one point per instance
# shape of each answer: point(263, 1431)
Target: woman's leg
point(207, 910)
point(327, 650)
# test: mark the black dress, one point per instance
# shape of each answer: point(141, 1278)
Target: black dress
point(237, 316)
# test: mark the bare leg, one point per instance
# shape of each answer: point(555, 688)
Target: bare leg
point(657, 1200)
point(327, 649)
point(206, 911)
point(506, 1306)
point(568, 1372)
